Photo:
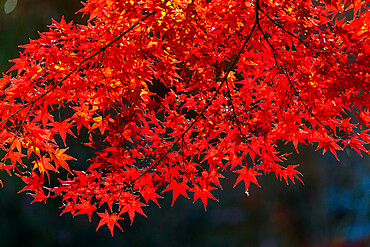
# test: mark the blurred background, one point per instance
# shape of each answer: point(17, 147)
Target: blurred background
point(331, 209)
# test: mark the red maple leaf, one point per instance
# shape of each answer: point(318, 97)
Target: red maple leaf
point(85, 208)
point(149, 193)
point(177, 188)
point(364, 118)
point(60, 158)
point(110, 220)
point(291, 173)
point(131, 207)
point(33, 182)
point(39, 196)
point(248, 176)
point(62, 129)
point(203, 193)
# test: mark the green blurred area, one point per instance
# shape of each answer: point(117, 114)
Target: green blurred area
point(331, 209)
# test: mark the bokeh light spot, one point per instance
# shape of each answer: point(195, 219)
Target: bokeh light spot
point(10, 5)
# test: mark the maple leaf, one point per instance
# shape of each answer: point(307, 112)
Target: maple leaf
point(248, 176)
point(203, 193)
point(14, 157)
point(291, 173)
point(39, 196)
point(43, 165)
point(68, 207)
point(110, 220)
point(19, 63)
point(131, 207)
point(15, 143)
point(92, 143)
point(364, 118)
point(149, 193)
point(59, 157)
point(356, 144)
point(177, 188)
point(85, 208)
point(33, 182)
point(329, 145)
point(62, 129)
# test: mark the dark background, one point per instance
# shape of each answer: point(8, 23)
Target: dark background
point(331, 209)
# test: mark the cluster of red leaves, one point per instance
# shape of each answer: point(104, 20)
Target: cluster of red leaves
point(239, 77)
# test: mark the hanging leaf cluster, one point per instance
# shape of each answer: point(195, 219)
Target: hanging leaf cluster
point(178, 94)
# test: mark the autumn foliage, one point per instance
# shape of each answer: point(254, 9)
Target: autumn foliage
point(178, 94)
